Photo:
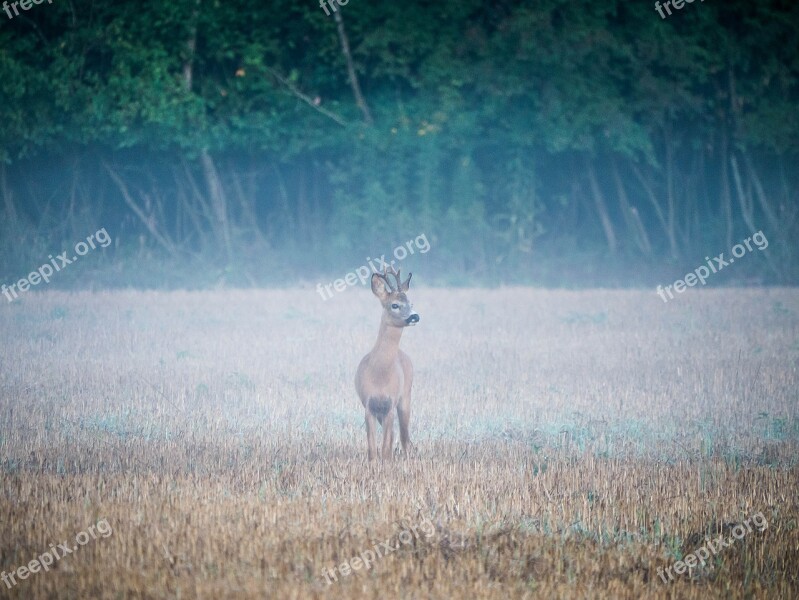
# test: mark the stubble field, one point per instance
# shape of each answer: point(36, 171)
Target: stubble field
point(568, 444)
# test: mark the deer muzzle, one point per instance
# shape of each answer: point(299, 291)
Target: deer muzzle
point(412, 320)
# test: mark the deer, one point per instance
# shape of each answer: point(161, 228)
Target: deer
point(385, 375)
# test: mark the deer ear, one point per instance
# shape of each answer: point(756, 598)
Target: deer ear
point(380, 287)
point(407, 284)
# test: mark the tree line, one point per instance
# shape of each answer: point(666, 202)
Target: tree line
point(551, 141)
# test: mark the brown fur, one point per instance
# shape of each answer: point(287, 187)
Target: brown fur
point(385, 375)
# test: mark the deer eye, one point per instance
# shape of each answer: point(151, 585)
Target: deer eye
point(395, 306)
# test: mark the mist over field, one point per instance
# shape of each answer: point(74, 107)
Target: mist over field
point(399, 300)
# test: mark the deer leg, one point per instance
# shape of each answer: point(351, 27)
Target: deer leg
point(370, 434)
point(388, 435)
point(404, 414)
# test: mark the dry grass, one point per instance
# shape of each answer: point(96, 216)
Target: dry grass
point(569, 444)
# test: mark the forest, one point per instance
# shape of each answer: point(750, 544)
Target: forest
point(550, 142)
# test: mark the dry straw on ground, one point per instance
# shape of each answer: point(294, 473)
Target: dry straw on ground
point(569, 444)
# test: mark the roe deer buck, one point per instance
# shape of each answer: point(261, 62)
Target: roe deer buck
point(385, 375)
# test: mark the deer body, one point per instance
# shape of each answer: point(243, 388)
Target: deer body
point(385, 375)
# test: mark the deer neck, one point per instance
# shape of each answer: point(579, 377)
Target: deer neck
point(386, 348)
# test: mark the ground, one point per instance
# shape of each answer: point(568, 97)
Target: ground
point(567, 444)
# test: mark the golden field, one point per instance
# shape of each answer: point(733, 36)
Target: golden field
point(568, 444)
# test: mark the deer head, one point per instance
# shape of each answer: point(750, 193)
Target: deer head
point(397, 309)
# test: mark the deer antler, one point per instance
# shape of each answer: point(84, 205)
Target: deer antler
point(384, 277)
point(397, 278)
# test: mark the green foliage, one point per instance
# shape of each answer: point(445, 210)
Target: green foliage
point(481, 114)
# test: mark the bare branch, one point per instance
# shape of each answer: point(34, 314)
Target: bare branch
point(305, 98)
point(148, 221)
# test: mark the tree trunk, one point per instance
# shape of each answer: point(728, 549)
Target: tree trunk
point(747, 210)
point(8, 198)
point(726, 196)
point(670, 201)
point(356, 88)
point(601, 208)
point(216, 191)
point(191, 47)
point(650, 193)
point(632, 220)
point(760, 193)
point(218, 203)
